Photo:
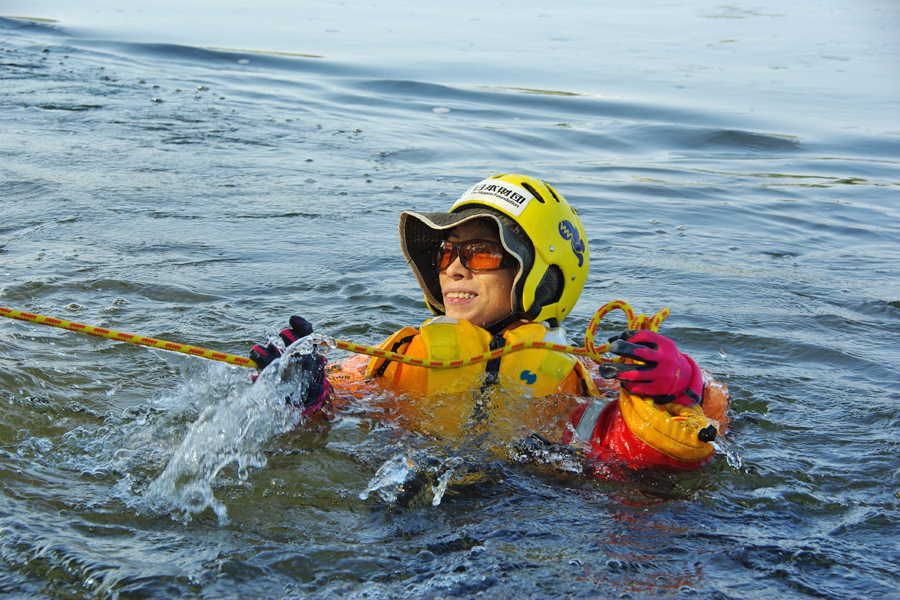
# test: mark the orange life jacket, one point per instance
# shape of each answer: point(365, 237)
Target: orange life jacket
point(540, 372)
point(545, 389)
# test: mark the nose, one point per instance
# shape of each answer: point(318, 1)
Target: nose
point(456, 269)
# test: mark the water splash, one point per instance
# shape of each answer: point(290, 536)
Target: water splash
point(538, 450)
point(390, 477)
point(233, 432)
point(731, 450)
point(414, 478)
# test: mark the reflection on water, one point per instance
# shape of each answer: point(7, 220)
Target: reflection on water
point(204, 196)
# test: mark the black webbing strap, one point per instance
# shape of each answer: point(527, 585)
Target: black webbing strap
point(492, 368)
point(387, 361)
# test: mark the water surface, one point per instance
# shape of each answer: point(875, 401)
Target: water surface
point(201, 175)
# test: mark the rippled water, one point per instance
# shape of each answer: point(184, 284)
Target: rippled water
point(737, 164)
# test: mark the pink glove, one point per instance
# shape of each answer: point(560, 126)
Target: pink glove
point(666, 376)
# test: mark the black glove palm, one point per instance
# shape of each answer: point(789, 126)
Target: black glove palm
point(264, 355)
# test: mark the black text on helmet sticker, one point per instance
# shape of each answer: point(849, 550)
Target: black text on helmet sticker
point(504, 195)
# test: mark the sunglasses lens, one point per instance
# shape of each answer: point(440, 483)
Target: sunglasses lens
point(446, 254)
point(476, 255)
point(482, 256)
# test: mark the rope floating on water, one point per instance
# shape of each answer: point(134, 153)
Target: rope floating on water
point(127, 337)
point(591, 351)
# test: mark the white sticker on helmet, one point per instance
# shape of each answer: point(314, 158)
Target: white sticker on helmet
point(502, 194)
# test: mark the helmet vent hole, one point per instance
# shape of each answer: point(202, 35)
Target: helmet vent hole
point(553, 193)
point(533, 191)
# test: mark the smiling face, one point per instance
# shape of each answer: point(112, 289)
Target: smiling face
point(480, 297)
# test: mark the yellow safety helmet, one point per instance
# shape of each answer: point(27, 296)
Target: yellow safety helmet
point(537, 227)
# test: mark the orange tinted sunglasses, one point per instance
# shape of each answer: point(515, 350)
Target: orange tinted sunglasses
point(475, 255)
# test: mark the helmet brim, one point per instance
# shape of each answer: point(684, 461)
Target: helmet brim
point(420, 234)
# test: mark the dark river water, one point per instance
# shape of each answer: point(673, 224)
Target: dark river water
point(200, 174)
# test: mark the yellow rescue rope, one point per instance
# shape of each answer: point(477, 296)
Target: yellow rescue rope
point(591, 351)
point(126, 337)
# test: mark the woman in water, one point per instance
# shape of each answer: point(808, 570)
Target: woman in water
point(506, 265)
